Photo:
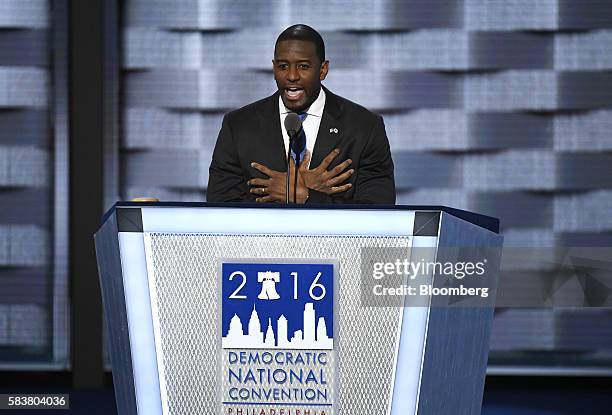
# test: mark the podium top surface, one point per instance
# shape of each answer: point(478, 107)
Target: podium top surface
point(485, 222)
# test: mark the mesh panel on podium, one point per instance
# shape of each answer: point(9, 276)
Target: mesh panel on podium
point(188, 324)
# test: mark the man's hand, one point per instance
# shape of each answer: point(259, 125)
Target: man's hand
point(323, 180)
point(273, 189)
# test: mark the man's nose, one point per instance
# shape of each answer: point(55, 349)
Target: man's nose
point(293, 74)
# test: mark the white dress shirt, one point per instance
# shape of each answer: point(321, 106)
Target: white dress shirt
point(311, 123)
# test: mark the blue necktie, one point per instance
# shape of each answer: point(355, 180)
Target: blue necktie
point(299, 143)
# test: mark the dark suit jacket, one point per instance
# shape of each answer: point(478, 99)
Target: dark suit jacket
point(253, 133)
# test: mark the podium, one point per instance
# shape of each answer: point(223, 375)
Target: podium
point(291, 310)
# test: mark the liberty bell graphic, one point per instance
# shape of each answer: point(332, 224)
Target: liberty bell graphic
point(268, 282)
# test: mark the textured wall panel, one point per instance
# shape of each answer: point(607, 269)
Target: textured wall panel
point(24, 127)
point(489, 105)
point(453, 130)
point(583, 212)
point(511, 90)
point(160, 13)
point(156, 128)
point(146, 47)
point(552, 330)
point(584, 171)
point(511, 50)
point(573, 334)
point(164, 193)
point(417, 50)
point(581, 131)
point(599, 239)
point(359, 15)
point(421, 49)
point(510, 208)
point(585, 14)
point(151, 48)
point(33, 49)
point(23, 87)
point(585, 90)
point(397, 90)
point(414, 170)
point(511, 170)
point(23, 245)
point(4, 323)
point(25, 285)
point(147, 168)
point(28, 325)
point(23, 166)
point(511, 14)
point(252, 49)
point(24, 13)
point(378, 15)
point(27, 204)
point(435, 197)
point(529, 238)
point(492, 130)
point(583, 51)
point(514, 329)
point(22, 206)
point(197, 89)
point(427, 130)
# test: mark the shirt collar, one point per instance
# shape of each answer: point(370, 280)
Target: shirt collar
point(315, 109)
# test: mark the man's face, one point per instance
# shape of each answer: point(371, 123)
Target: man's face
point(298, 73)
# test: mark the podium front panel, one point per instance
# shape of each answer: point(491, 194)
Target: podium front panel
point(184, 358)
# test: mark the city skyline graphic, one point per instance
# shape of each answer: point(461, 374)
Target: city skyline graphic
point(312, 336)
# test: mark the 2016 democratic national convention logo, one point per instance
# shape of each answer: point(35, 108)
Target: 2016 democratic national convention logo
point(277, 338)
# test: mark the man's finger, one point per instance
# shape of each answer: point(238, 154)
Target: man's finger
point(329, 158)
point(264, 199)
point(292, 165)
point(340, 189)
point(341, 178)
point(259, 191)
point(305, 162)
point(268, 172)
point(291, 168)
point(259, 182)
point(340, 167)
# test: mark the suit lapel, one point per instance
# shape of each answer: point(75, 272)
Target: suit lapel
point(330, 129)
point(272, 138)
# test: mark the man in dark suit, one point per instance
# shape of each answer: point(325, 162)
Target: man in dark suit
point(249, 161)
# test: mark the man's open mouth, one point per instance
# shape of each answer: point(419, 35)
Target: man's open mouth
point(294, 93)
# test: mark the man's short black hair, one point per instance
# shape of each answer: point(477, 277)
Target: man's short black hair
point(303, 32)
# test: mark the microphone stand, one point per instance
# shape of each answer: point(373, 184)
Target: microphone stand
point(292, 135)
point(295, 179)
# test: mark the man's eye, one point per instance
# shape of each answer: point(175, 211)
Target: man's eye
point(282, 66)
point(303, 66)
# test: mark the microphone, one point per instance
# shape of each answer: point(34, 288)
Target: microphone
point(297, 141)
point(293, 125)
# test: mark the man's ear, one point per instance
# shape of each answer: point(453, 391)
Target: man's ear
point(323, 71)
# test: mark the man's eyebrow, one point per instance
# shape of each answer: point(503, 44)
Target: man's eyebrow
point(286, 60)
